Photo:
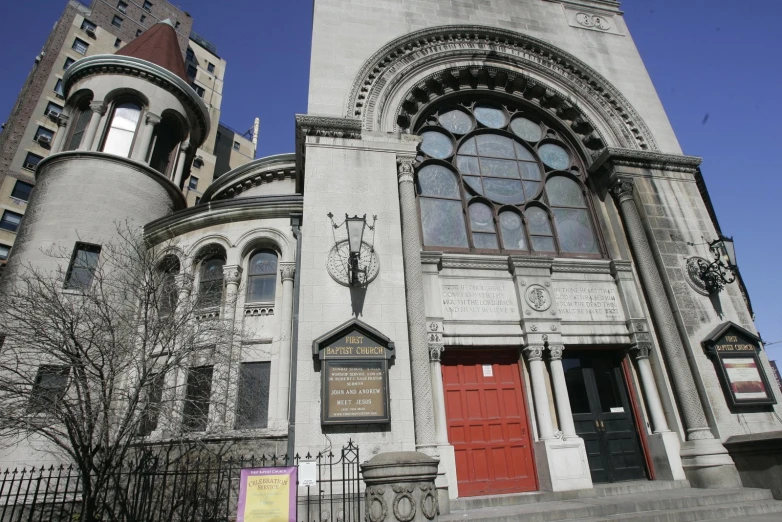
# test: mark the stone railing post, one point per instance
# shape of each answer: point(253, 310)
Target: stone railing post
point(400, 487)
point(416, 314)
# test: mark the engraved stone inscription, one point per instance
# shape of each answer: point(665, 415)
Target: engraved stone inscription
point(480, 300)
point(579, 302)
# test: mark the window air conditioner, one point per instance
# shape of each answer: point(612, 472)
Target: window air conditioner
point(53, 115)
point(29, 166)
point(44, 140)
point(90, 31)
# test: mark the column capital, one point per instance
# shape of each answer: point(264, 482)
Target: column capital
point(62, 120)
point(287, 271)
point(623, 188)
point(556, 351)
point(534, 352)
point(152, 119)
point(405, 168)
point(98, 106)
point(232, 274)
point(641, 350)
point(185, 146)
point(436, 351)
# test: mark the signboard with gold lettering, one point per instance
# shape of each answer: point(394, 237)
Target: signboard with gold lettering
point(735, 351)
point(267, 494)
point(354, 366)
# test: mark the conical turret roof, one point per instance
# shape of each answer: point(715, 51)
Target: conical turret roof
point(158, 45)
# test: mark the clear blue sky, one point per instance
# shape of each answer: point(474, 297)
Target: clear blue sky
point(715, 64)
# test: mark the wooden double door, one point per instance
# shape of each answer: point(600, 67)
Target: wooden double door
point(603, 414)
point(487, 422)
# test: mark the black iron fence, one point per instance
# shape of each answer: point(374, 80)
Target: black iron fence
point(167, 486)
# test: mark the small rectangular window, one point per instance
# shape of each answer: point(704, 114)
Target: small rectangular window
point(117, 43)
point(88, 27)
point(80, 46)
point(44, 136)
point(176, 25)
point(122, 7)
point(252, 408)
point(192, 70)
point(5, 251)
point(199, 90)
point(53, 110)
point(197, 394)
point(198, 200)
point(117, 21)
point(193, 183)
point(143, 19)
point(22, 190)
point(236, 145)
point(58, 88)
point(147, 6)
point(49, 388)
point(82, 268)
point(138, 32)
point(31, 161)
point(10, 221)
point(151, 411)
point(210, 67)
point(189, 54)
point(218, 136)
point(68, 62)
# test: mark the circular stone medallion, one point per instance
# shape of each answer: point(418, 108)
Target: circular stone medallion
point(338, 261)
point(538, 298)
point(692, 266)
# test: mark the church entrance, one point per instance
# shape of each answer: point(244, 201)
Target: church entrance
point(487, 422)
point(603, 415)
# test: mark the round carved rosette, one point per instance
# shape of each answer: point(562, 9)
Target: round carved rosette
point(338, 263)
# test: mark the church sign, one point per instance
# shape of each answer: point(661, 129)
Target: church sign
point(735, 353)
point(354, 375)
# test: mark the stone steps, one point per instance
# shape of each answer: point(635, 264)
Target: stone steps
point(636, 502)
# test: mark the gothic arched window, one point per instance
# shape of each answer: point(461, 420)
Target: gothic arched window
point(493, 177)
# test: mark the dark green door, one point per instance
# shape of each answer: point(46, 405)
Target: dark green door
point(603, 415)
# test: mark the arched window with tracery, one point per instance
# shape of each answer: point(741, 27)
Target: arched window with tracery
point(494, 177)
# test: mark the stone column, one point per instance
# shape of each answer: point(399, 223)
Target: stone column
point(141, 149)
point(692, 409)
point(223, 368)
point(537, 375)
point(438, 398)
point(180, 165)
point(59, 138)
point(287, 273)
point(564, 414)
point(400, 487)
point(416, 313)
point(89, 142)
point(653, 403)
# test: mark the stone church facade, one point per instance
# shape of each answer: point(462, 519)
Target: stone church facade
point(530, 261)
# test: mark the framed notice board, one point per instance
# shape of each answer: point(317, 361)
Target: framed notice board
point(734, 351)
point(354, 374)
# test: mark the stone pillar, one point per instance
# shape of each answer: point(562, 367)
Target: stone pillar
point(141, 149)
point(705, 459)
point(537, 375)
point(400, 487)
point(223, 368)
point(59, 138)
point(564, 414)
point(440, 421)
point(416, 313)
point(180, 165)
point(652, 396)
point(287, 273)
point(89, 142)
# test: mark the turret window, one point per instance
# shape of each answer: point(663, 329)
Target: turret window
point(210, 284)
point(262, 277)
point(124, 123)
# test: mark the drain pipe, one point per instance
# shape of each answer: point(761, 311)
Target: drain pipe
point(296, 228)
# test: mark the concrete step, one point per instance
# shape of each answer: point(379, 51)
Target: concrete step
point(671, 505)
point(536, 497)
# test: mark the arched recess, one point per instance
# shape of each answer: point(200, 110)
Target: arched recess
point(406, 75)
point(265, 238)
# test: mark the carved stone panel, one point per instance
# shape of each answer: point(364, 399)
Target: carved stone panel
point(479, 300)
point(596, 301)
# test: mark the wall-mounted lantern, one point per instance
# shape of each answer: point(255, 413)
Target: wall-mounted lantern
point(721, 271)
point(361, 259)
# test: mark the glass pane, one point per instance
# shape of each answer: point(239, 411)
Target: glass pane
point(456, 121)
point(126, 116)
point(442, 222)
point(543, 244)
point(118, 142)
point(474, 183)
point(575, 231)
point(576, 388)
point(503, 190)
point(436, 144)
point(199, 390)
point(252, 408)
point(485, 240)
point(261, 288)
point(468, 147)
point(212, 269)
point(564, 192)
point(481, 218)
point(554, 156)
point(537, 221)
point(467, 165)
point(522, 152)
point(78, 130)
point(512, 231)
point(526, 129)
point(529, 170)
point(531, 189)
point(500, 168)
point(438, 181)
point(490, 116)
point(607, 389)
point(495, 146)
point(263, 262)
point(210, 293)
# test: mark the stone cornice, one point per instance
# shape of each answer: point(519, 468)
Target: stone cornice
point(321, 126)
point(475, 262)
point(219, 212)
point(581, 266)
point(644, 159)
point(113, 64)
point(611, 6)
point(254, 173)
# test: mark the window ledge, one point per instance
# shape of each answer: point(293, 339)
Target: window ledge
point(258, 309)
point(17, 201)
point(212, 312)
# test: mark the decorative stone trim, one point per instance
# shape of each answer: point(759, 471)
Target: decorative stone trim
point(98, 106)
point(208, 313)
point(249, 175)
point(607, 5)
point(232, 274)
point(615, 157)
point(556, 351)
point(619, 265)
point(405, 168)
point(258, 310)
point(321, 126)
point(516, 262)
point(62, 120)
point(581, 266)
point(474, 262)
point(152, 119)
point(383, 73)
point(533, 352)
point(432, 258)
point(434, 335)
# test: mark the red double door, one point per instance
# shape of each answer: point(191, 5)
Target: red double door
point(487, 422)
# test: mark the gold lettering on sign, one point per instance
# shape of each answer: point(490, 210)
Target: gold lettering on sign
point(355, 390)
